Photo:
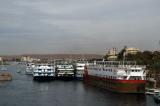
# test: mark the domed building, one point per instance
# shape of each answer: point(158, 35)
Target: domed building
point(132, 50)
point(112, 54)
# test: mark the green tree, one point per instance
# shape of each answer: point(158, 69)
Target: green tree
point(121, 53)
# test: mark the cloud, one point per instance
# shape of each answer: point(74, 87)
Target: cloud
point(75, 26)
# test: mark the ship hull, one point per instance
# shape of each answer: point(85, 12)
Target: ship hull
point(41, 78)
point(79, 78)
point(121, 86)
point(66, 76)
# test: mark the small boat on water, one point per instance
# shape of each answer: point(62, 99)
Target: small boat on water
point(157, 96)
point(5, 76)
point(18, 71)
point(150, 91)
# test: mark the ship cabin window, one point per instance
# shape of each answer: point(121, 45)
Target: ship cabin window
point(39, 69)
point(135, 70)
point(124, 77)
point(48, 69)
point(135, 78)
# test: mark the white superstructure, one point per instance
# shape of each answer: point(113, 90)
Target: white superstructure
point(117, 70)
point(80, 70)
point(29, 68)
point(65, 70)
point(44, 70)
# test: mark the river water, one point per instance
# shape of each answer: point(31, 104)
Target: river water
point(23, 91)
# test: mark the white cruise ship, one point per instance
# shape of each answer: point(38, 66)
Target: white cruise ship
point(80, 70)
point(117, 76)
point(44, 71)
point(29, 68)
point(65, 70)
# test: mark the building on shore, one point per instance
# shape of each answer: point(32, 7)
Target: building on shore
point(1, 59)
point(29, 59)
point(132, 50)
point(112, 54)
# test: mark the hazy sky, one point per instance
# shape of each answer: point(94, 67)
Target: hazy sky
point(78, 26)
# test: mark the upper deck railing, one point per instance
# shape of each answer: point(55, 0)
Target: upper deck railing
point(116, 64)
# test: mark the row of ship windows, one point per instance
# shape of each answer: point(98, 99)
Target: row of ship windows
point(110, 70)
point(45, 65)
point(43, 73)
point(44, 69)
point(135, 70)
point(100, 69)
point(110, 77)
point(124, 77)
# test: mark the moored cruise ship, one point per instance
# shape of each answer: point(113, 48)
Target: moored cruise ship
point(43, 71)
point(80, 70)
point(29, 68)
point(65, 71)
point(123, 77)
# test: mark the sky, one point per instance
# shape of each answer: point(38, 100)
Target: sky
point(78, 26)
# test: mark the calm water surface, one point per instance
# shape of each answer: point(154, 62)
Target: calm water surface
point(23, 91)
